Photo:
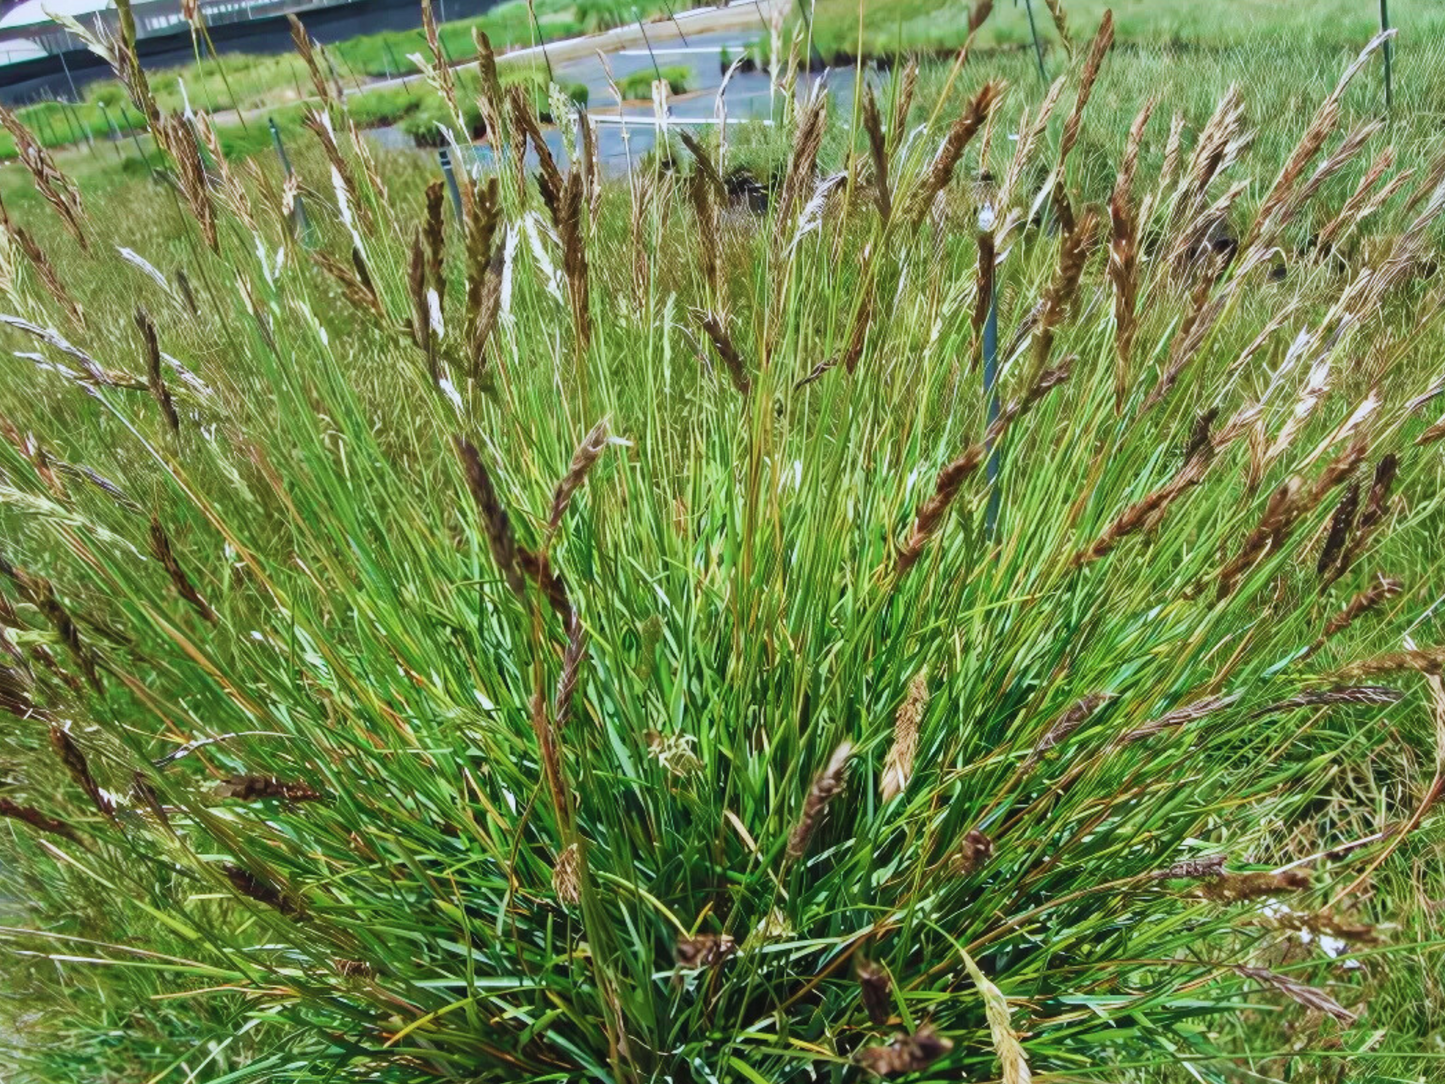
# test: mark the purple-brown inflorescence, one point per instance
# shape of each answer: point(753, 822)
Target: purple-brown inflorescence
point(898, 767)
point(906, 1053)
point(1239, 887)
point(929, 516)
point(161, 549)
point(583, 459)
point(37, 819)
point(1381, 590)
point(875, 989)
point(827, 783)
point(940, 172)
point(722, 342)
point(76, 764)
point(255, 788)
point(496, 524)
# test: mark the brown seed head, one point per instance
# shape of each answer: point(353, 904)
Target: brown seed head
point(1308, 996)
point(566, 876)
point(1239, 887)
point(876, 990)
point(495, 522)
point(940, 172)
point(878, 149)
point(898, 768)
point(826, 784)
point(1192, 869)
point(572, 660)
point(722, 342)
point(264, 892)
point(906, 1053)
point(1103, 40)
point(704, 950)
point(79, 768)
point(973, 852)
point(161, 549)
point(583, 459)
point(37, 820)
point(255, 788)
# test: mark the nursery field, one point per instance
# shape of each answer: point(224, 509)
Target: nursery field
point(942, 586)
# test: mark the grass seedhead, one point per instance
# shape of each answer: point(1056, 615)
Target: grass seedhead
point(906, 1053)
point(826, 784)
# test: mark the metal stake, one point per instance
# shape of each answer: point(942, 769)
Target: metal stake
point(1038, 49)
point(646, 42)
point(140, 150)
point(114, 131)
point(1389, 55)
point(668, 8)
point(75, 94)
point(990, 378)
point(391, 62)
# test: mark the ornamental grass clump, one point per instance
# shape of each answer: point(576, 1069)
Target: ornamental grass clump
point(560, 635)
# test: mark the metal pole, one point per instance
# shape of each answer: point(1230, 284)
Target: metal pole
point(75, 94)
point(990, 378)
point(140, 150)
point(84, 131)
point(1038, 49)
point(48, 135)
point(1389, 55)
point(386, 47)
point(650, 53)
point(280, 150)
point(75, 136)
point(668, 8)
point(114, 131)
point(446, 159)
